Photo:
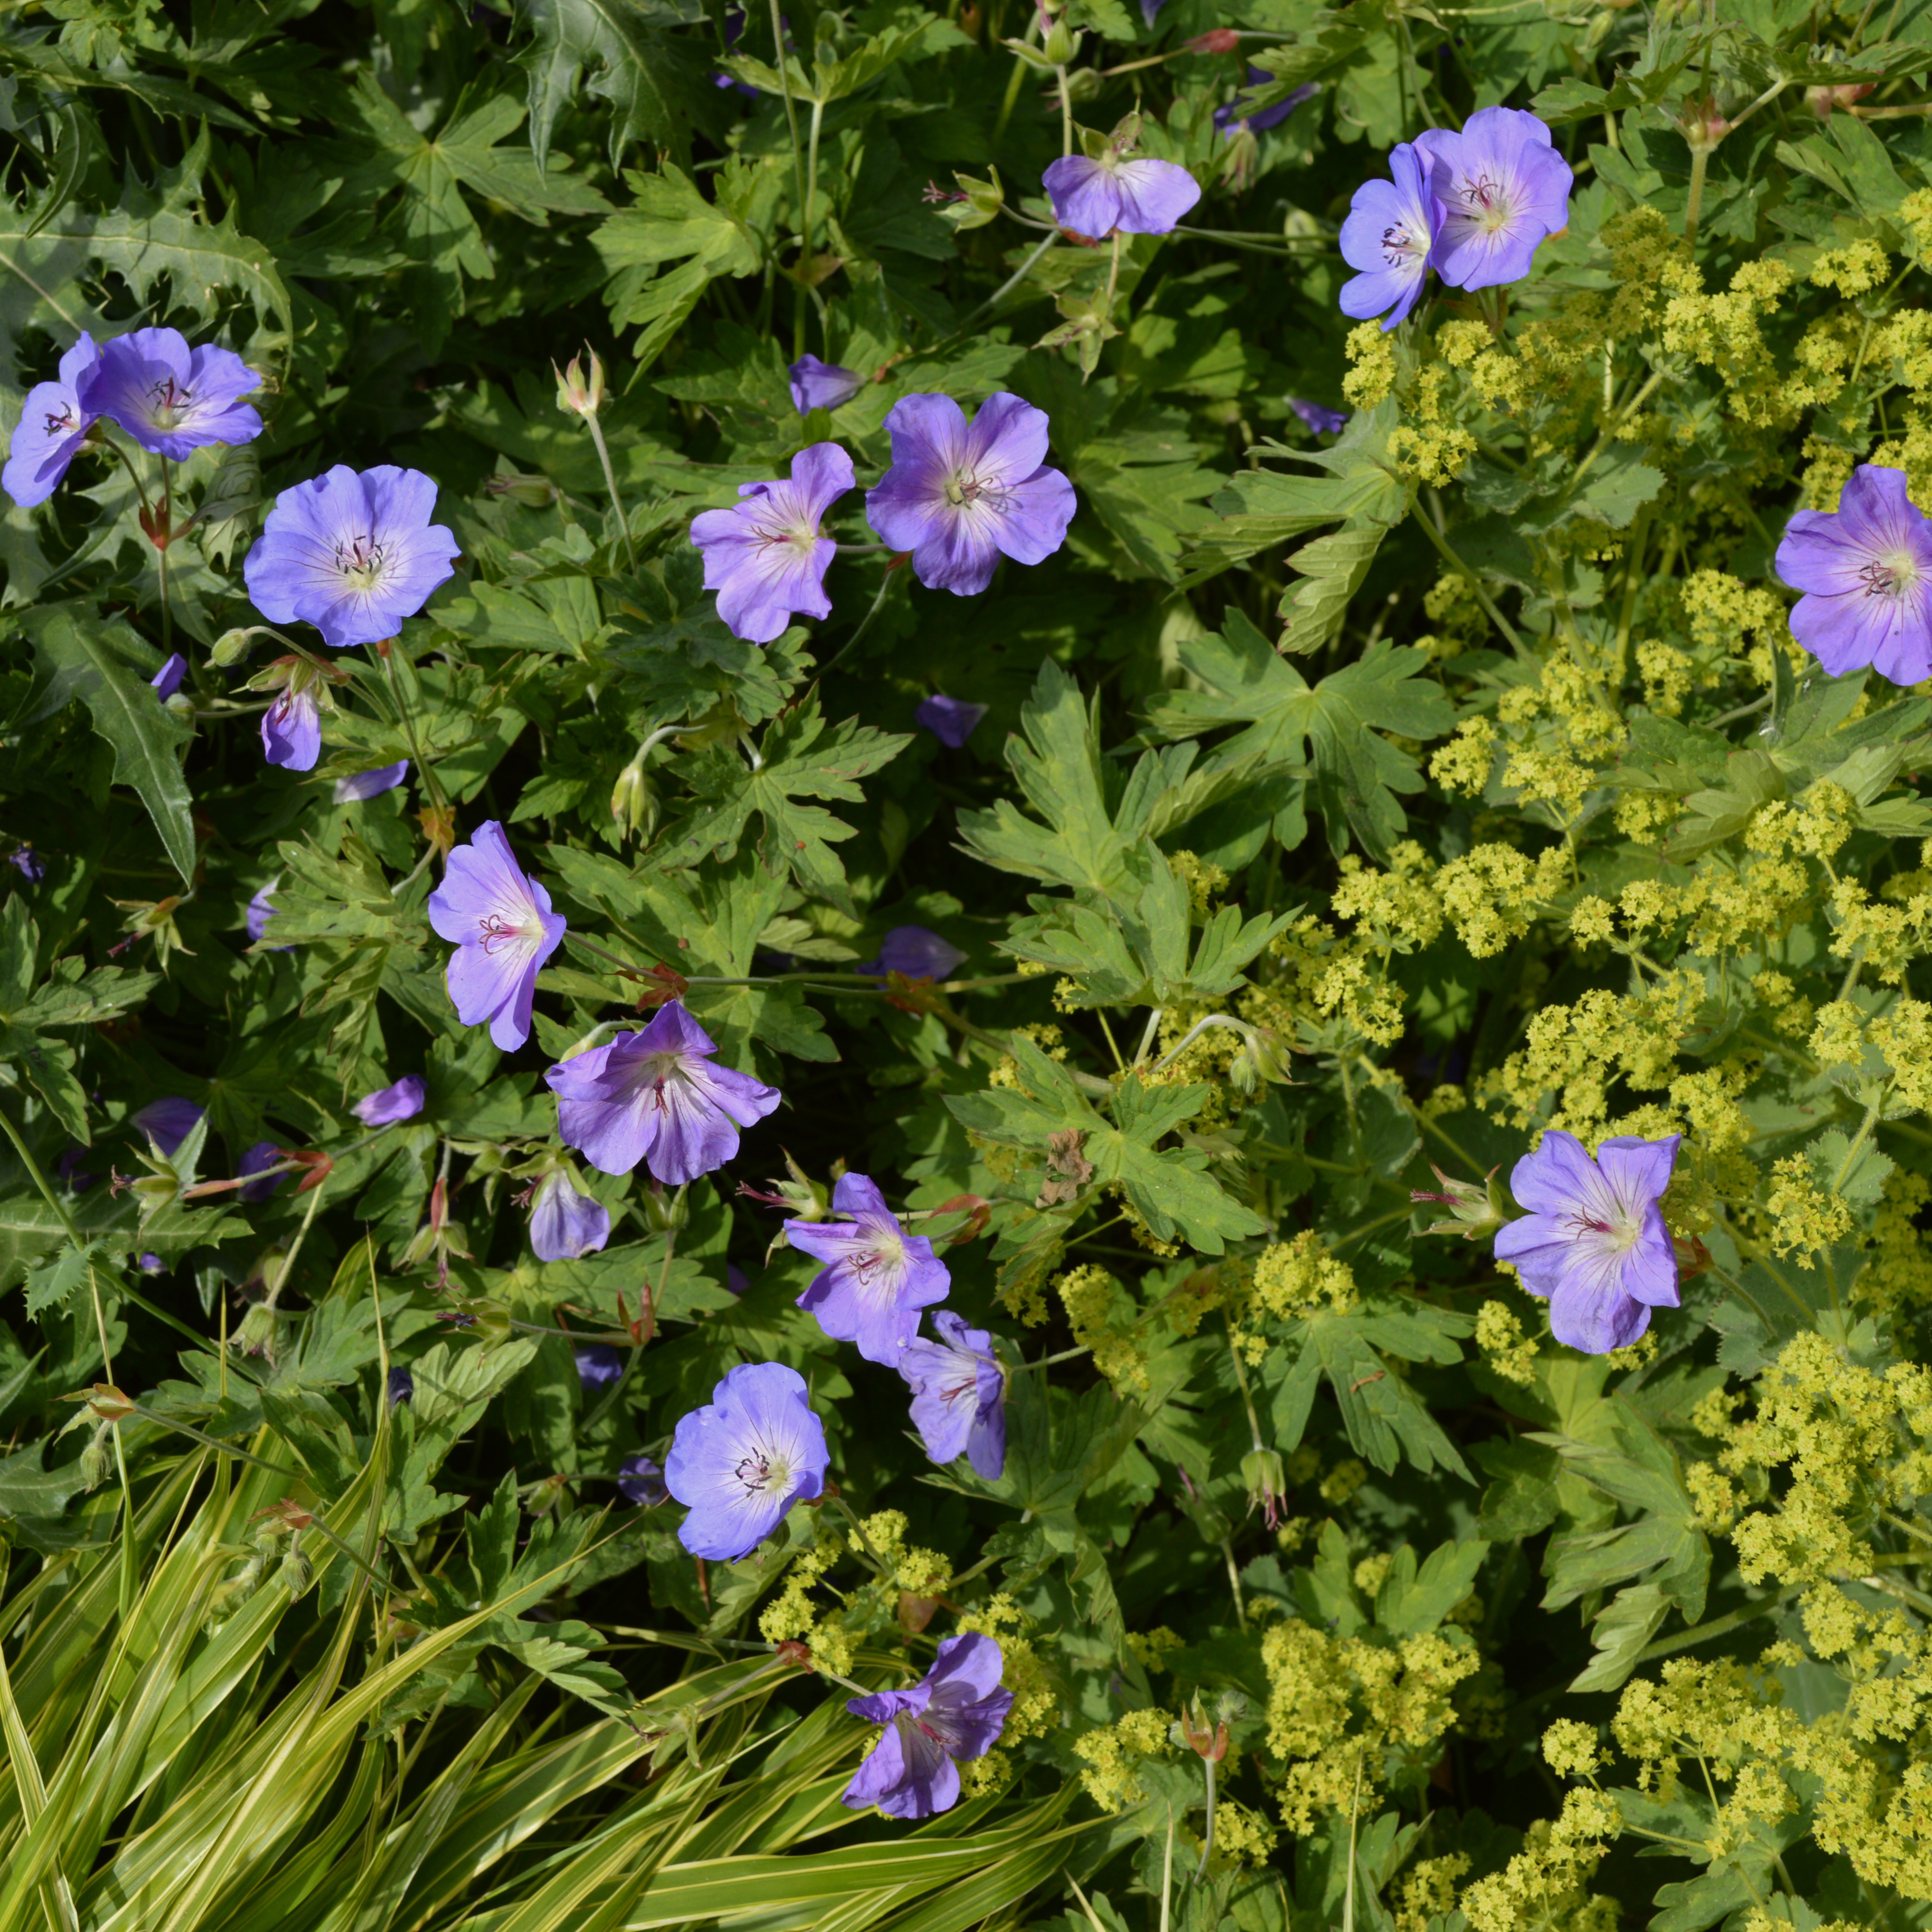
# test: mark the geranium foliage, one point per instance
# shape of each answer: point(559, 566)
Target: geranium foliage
point(965, 967)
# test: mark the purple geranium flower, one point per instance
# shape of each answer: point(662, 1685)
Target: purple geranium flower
point(171, 399)
point(371, 784)
point(167, 1124)
point(1140, 197)
point(735, 1280)
point(167, 680)
point(72, 1174)
point(950, 720)
point(292, 728)
point(1866, 571)
point(151, 1263)
point(599, 1365)
point(53, 430)
point(822, 386)
point(1322, 420)
point(879, 1277)
point(1390, 228)
point(765, 556)
point(656, 1096)
point(958, 1395)
point(1232, 120)
point(1502, 188)
point(916, 952)
point(504, 930)
point(958, 497)
point(566, 1225)
point(261, 910)
point(262, 1154)
point(957, 1711)
point(741, 1462)
point(1593, 1240)
point(353, 554)
point(389, 1106)
point(641, 1481)
point(27, 863)
point(402, 1386)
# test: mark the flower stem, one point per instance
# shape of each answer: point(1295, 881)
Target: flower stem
point(1066, 113)
point(1012, 282)
point(161, 556)
point(387, 652)
point(611, 479)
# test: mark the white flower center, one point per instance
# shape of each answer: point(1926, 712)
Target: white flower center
point(761, 1470)
point(1485, 204)
point(1620, 1233)
point(497, 930)
point(964, 489)
point(362, 561)
point(1890, 574)
point(170, 401)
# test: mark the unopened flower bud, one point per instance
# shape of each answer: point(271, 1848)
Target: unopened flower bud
point(634, 802)
point(257, 1334)
point(1475, 1207)
point(1216, 41)
point(664, 1212)
point(231, 647)
point(534, 493)
point(1062, 47)
point(1267, 1482)
point(1822, 100)
point(95, 1462)
point(297, 1572)
point(575, 396)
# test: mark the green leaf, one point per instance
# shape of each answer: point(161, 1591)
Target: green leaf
point(1623, 1627)
point(1357, 772)
point(146, 736)
point(1331, 569)
point(639, 69)
point(793, 765)
point(1170, 1188)
point(1412, 1601)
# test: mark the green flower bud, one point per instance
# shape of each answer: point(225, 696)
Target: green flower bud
point(1476, 1209)
point(634, 801)
point(1063, 45)
point(574, 395)
point(232, 646)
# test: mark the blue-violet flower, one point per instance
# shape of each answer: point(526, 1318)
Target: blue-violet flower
point(1502, 188)
point(353, 554)
point(766, 556)
point(53, 430)
point(1389, 230)
point(1866, 571)
point(958, 1395)
point(565, 1225)
point(1593, 1240)
point(740, 1463)
point(951, 720)
point(365, 785)
point(388, 1106)
point(915, 951)
point(171, 399)
point(956, 1712)
point(958, 497)
point(656, 1096)
point(822, 386)
point(167, 1124)
point(504, 929)
point(1094, 197)
point(878, 1277)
